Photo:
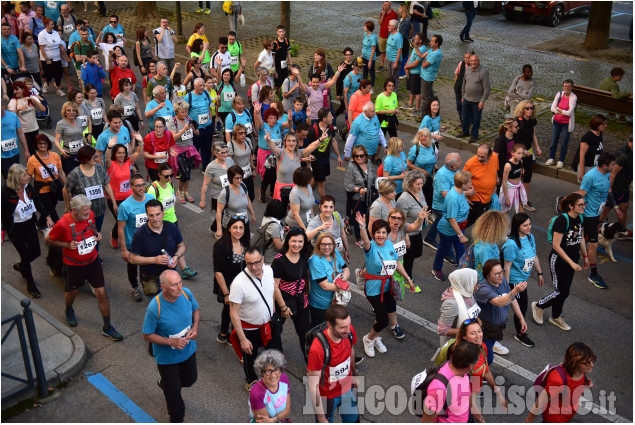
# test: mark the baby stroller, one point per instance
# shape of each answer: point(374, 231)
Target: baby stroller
point(39, 116)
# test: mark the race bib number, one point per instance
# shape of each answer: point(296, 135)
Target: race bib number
point(529, 263)
point(83, 120)
point(205, 66)
point(140, 220)
point(283, 64)
point(167, 117)
point(161, 160)
point(124, 186)
point(128, 110)
point(94, 192)
point(474, 311)
point(180, 334)
point(51, 4)
point(228, 96)
point(277, 142)
point(602, 205)
point(400, 248)
point(169, 202)
point(246, 171)
point(388, 268)
point(187, 135)
point(69, 28)
point(233, 60)
point(340, 371)
point(203, 119)
point(248, 127)
point(9, 145)
point(339, 244)
point(74, 145)
point(97, 114)
point(87, 246)
point(224, 180)
point(309, 215)
point(436, 133)
point(27, 210)
point(44, 171)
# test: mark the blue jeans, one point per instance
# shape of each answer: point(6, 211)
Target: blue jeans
point(347, 404)
point(471, 116)
point(444, 248)
point(489, 343)
point(404, 58)
point(469, 15)
point(559, 131)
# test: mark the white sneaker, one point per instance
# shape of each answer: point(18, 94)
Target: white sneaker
point(60, 93)
point(559, 164)
point(45, 87)
point(549, 161)
point(369, 346)
point(379, 345)
point(500, 349)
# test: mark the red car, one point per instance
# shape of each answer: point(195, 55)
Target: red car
point(549, 12)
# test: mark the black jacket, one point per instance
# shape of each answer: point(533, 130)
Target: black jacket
point(10, 202)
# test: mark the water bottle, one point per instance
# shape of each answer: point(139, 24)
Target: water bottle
point(171, 263)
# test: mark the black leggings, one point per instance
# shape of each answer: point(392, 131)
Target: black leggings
point(352, 207)
point(115, 228)
point(415, 251)
point(268, 180)
point(225, 319)
point(382, 308)
point(428, 190)
point(391, 130)
point(302, 324)
point(25, 239)
point(30, 140)
point(223, 116)
point(49, 200)
point(98, 129)
point(53, 71)
point(523, 301)
point(318, 316)
point(249, 182)
point(562, 276)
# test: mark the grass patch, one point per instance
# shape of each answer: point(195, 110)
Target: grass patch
point(620, 52)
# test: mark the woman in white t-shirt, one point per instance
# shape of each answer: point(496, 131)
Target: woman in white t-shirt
point(265, 58)
point(107, 45)
point(24, 106)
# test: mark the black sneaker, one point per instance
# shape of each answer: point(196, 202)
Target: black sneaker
point(70, 318)
point(451, 260)
point(223, 339)
point(33, 291)
point(262, 197)
point(524, 340)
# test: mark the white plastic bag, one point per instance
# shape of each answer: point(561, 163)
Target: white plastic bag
point(241, 19)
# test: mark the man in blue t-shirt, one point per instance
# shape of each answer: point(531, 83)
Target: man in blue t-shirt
point(12, 55)
point(171, 325)
point(413, 70)
point(159, 106)
point(11, 133)
point(131, 215)
point(394, 47)
point(200, 111)
point(429, 68)
point(595, 188)
point(365, 131)
point(115, 28)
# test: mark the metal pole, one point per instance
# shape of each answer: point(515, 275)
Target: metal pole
point(179, 24)
point(35, 348)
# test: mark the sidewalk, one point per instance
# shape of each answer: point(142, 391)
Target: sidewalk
point(63, 352)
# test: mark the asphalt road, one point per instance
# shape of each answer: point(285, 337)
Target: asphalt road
point(602, 319)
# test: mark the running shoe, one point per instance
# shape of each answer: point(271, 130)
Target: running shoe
point(112, 333)
point(199, 10)
point(598, 281)
point(559, 164)
point(369, 346)
point(33, 291)
point(135, 294)
point(70, 318)
point(407, 107)
point(223, 339)
point(524, 340)
point(451, 260)
point(438, 275)
point(379, 345)
point(187, 273)
point(549, 162)
point(180, 197)
point(529, 207)
point(500, 349)
point(397, 332)
point(558, 199)
point(559, 322)
point(537, 312)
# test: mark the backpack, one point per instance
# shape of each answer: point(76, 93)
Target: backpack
point(228, 191)
point(540, 384)
point(467, 259)
point(60, 23)
point(319, 332)
point(249, 89)
point(189, 99)
point(233, 115)
point(553, 219)
point(155, 185)
point(421, 391)
point(167, 84)
point(72, 49)
point(36, 26)
point(259, 240)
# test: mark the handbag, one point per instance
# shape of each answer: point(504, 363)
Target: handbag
point(276, 319)
point(56, 185)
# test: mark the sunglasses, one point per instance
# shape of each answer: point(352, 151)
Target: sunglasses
point(469, 322)
point(113, 22)
point(529, 108)
point(237, 217)
point(167, 176)
point(359, 156)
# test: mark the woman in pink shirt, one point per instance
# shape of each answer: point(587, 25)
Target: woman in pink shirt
point(360, 98)
point(563, 107)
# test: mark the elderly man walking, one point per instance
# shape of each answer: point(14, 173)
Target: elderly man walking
point(474, 92)
point(365, 131)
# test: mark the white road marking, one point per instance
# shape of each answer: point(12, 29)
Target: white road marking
point(192, 207)
point(511, 366)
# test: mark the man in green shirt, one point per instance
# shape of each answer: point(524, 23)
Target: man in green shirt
point(610, 85)
point(235, 49)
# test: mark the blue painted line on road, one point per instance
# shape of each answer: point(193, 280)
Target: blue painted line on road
point(120, 399)
point(600, 248)
point(576, 25)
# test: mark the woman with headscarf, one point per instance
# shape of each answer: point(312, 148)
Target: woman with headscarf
point(457, 304)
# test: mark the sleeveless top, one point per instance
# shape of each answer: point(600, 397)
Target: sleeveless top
point(516, 170)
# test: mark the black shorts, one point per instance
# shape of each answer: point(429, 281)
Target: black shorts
point(321, 169)
point(591, 229)
point(621, 198)
point(414, 84)
point(528, 166)
point(77, 275)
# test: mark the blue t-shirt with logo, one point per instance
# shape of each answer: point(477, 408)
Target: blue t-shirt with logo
point(9, 135)
point(396, 166)
point(352, 82)
point(200, 108)
point(522, 258)
point(118, 30)
point(432, 124)
point(133, 213)
point(123, 138)
point(394, 43)
point(443, 182)
point(413, 58)
point(10, 48)
point(434, 59)
point(319, 269)
point(426, 159)
point(166, 112)
point(174, 321)
point(455, 206)
point(380, 261)
point(366, 132)
point(367, 46)
point(244, 119)
point(596, 185)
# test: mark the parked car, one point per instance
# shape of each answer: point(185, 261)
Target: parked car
point(548, 12)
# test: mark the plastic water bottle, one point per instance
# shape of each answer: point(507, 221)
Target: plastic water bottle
point(171, 263)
